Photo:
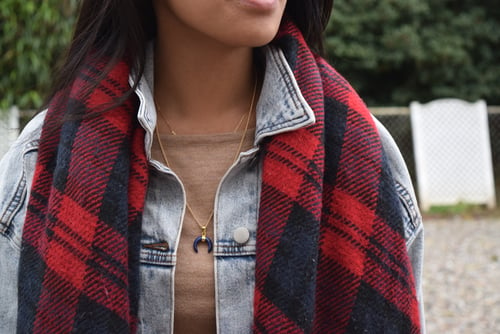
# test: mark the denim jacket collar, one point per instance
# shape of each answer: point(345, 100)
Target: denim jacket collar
point(281, 106)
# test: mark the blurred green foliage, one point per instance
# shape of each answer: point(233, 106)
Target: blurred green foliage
point(392, 51)
point(33, 35)
point(396, 51)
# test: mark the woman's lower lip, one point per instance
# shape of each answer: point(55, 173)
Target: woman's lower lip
point(259, 4)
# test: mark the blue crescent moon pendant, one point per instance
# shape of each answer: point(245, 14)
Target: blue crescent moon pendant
point(203, 238)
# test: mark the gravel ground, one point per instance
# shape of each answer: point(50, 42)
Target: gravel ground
point(462, 275)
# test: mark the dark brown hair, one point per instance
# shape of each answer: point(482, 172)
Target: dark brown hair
point(120, 29)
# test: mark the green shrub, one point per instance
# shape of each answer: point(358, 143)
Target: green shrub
point(33, 35)
point(396, 51)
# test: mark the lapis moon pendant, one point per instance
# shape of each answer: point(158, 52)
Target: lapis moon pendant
point(203, 238)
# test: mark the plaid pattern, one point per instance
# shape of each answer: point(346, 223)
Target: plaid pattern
point(79, 261)
point(331, 254)
point(329, 185)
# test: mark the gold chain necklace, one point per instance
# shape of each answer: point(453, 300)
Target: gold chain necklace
point(203, 237)
point(238, 125)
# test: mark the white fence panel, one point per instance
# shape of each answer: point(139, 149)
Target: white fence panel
point(9, 128)
point(452, 153)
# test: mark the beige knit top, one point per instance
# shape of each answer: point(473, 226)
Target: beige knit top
point(200, 161)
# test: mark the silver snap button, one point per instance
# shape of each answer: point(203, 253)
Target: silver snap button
point(241, 235)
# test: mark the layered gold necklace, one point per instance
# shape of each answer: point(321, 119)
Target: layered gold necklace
point(204, 237)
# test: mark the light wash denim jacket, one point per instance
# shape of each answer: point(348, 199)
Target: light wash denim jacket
point(280, 109)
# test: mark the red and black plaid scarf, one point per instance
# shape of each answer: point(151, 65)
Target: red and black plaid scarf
point(331, 255)
point(81, 238)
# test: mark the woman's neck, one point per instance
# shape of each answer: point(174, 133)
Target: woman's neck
point(201, 86)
